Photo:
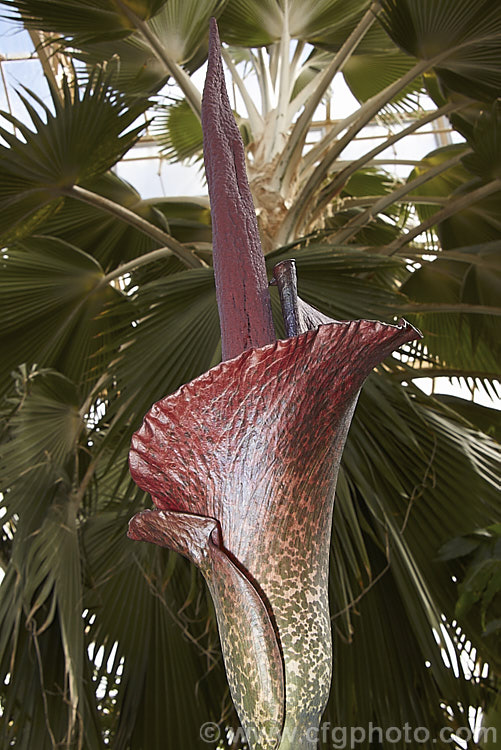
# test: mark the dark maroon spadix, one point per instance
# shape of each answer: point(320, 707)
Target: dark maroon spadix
point(241, 283)
point(242, 462)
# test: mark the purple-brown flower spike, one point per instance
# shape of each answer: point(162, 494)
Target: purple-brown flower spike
point(241, 283)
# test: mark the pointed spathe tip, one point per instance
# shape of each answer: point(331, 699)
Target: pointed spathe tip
point(403, 323)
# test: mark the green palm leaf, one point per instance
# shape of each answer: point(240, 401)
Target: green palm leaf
point(387, 67)
point(178, 132)
point(42, 594)
point(108, 19)
point(467, 35)
point(484, 418)
point(137, 70)
point(188, 218)
point(81, 139)
point(51, 400)
point(182, 28)
point(27, 712)
point(254, 23)
point(56, 310)
point(478, 222)
point(485, 161)
point(467, 270)
point(101, 235)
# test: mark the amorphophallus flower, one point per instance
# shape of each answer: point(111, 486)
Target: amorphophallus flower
point(242, 462)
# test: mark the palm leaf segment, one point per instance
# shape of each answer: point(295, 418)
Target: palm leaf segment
point(81, 138)
point(468, 35)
